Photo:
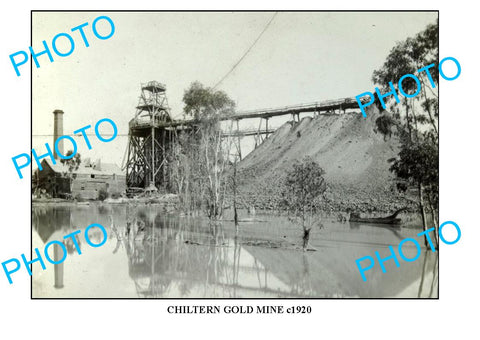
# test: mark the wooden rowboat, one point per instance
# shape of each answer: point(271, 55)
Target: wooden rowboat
point(392, 219)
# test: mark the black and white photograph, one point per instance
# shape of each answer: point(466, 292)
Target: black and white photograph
point(233, 155)
point(239, 170)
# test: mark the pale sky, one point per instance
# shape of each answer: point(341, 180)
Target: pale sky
point(302, 57)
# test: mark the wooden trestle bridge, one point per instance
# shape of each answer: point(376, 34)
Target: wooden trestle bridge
point(152, 131)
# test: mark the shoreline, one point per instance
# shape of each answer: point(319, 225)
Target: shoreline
point(170, 204)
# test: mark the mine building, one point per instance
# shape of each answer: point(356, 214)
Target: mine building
point(87, 181)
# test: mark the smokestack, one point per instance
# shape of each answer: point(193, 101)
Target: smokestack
point(58, 131)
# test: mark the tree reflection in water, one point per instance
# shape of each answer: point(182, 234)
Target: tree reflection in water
point(434, 275)
point(170, 256)
point(164, 258)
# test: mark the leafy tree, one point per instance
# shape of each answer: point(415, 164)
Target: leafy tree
point(200, 156)
point(416, 165)
point(304, 185)
point(102, 194)
point(407, 57)
point(385, 124)
point(203, 102)
point(73, 163)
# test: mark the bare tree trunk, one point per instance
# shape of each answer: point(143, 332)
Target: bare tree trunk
point(206, 146)
point(235, 216)
point(433, 93)
point(216, 176)
point(414, 118)
point(306, 231)
point(306, 238)
point(408, 122)
point(422, 209)
point(429, 111)
point(434, 219)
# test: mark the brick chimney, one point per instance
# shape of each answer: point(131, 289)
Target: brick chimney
point(57, 131)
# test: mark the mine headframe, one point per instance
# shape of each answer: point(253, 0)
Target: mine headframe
point(150, 134)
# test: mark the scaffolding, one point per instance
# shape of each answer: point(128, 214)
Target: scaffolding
point(149, 138)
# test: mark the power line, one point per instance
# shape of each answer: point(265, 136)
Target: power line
point(218, 83)
point(246, 52)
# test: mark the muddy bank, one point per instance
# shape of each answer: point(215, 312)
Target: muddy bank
point(337, 199)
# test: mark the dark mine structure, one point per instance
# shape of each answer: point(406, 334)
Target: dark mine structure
point(153, 131)
point(150, 136)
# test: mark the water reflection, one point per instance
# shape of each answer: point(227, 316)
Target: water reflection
point(152, 254)
point(166, 259)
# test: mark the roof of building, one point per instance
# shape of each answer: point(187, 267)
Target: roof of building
point(99, 168)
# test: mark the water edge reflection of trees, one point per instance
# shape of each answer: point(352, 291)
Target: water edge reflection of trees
point(167, 258)
point(171, 256)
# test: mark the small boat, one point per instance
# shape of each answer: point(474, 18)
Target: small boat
point(392, 219)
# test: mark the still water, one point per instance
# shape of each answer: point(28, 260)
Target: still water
point(150, 253)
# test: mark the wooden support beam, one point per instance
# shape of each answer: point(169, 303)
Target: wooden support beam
point(153, 156)
point(239, 147)
point(164, 157)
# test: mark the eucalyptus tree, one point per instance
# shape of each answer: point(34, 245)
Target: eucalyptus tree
point(415, 120)
point(204, 155)
point(304, 187)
